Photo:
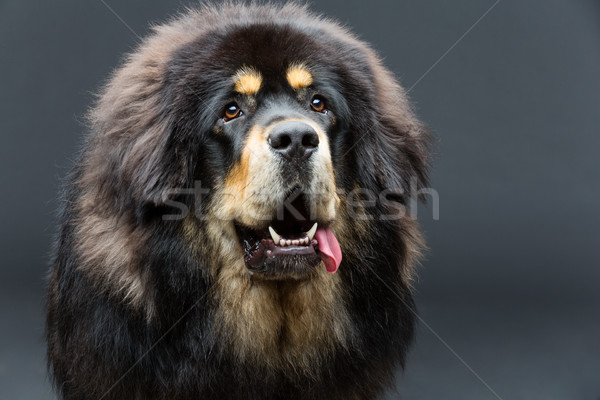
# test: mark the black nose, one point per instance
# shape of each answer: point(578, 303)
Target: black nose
point(294, 140)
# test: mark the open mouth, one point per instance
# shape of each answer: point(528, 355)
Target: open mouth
point(292, 246)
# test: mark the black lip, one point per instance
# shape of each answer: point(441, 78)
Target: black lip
point(271, 261)
point(267, 249)
point(268, 260)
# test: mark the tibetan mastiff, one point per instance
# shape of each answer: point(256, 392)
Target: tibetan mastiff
point(236, 224)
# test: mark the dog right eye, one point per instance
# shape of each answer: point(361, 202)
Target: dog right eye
point(231, 111)
point(318, 104)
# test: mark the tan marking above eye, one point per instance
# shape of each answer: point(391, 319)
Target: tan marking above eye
point(298, 77)
point(247, 81)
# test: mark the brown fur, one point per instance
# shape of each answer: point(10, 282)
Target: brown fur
point(299, 77)
point(247, 81)
point(278, 325)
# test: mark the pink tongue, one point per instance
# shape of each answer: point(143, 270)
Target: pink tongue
point(329, 249)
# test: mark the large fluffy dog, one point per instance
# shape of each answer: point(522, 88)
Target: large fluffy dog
point(238, 154)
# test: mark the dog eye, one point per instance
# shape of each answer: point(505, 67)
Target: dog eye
point(232, 111)
point(317, 104)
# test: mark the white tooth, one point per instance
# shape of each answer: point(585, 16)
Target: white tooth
point(295, 242)
point(282, 242)
point(306, 240)
point(288, 242)
point(311, 232)
point(274, 235)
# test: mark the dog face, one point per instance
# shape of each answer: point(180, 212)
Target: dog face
point(280, 190)
point(274, 117)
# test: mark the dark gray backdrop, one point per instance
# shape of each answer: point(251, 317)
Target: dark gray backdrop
point(508, 294)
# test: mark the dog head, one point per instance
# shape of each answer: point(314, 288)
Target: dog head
point(276, 121)
point(278, 118)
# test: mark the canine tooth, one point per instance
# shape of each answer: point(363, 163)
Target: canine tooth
point(295, 242)
point(306, 240)
point(311, 232)
point(274, 235)
point(282, 242)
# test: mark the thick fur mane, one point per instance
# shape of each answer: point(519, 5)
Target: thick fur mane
point(143, 307)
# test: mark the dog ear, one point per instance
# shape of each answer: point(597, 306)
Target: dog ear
point(154, 168)
point(403, 145)
point(132, 157)
point(403, 155)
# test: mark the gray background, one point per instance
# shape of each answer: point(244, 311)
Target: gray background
point(508, 294)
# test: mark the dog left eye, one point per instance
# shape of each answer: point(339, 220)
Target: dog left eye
point(232, 111)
